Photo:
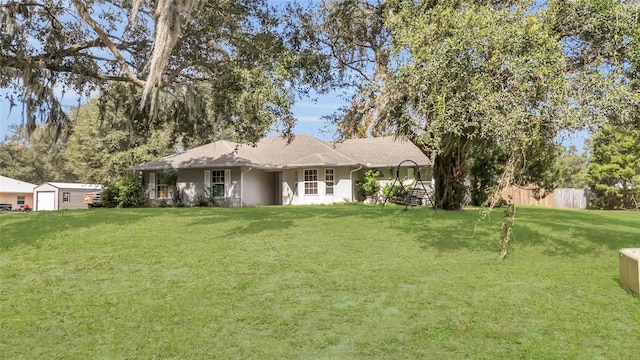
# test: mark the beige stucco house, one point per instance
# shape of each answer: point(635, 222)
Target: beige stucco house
point(305, 171)
point(15, 192)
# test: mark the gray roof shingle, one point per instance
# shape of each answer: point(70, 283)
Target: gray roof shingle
point(304, 150)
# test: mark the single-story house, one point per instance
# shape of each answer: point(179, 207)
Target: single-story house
point(62, 196)
point(15, 192)
point(305, 171)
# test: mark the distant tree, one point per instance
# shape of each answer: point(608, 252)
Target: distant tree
point(37, 158)
point(572, 168)
point(614, 168)
point(105, 141)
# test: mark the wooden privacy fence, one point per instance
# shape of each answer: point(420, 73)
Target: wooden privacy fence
point(562, 198)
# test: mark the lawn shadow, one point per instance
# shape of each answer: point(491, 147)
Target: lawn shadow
point(566, 232)
point(256, 220)
point(561, 231)
point(444, 231)
point(29, 228)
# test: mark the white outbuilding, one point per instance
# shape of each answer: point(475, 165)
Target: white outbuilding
point(62, 196)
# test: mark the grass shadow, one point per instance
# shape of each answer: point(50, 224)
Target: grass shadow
point(566, 232)
point(29, 228)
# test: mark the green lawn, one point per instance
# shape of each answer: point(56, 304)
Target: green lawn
point(324, 282)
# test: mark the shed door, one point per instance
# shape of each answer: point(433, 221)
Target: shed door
point(46, 200)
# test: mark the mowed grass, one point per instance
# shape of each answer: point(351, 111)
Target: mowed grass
point(341, 282)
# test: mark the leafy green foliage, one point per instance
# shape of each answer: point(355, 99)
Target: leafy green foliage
point(169, 177)
point(37, 158)
point(125, 193)
point(105, 141)
point(234, 65)
point(369, 186)
point(573, 169)
point(451, 77)
point(394, 193)
point(614, 168)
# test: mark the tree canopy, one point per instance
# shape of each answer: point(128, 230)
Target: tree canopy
point(229, 62)
point(614, 169)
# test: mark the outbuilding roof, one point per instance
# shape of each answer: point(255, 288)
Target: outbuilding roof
point(13, 186)
point(74, 186)
point(273, 152)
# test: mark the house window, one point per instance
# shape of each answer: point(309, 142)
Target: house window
point(217, 182)
point(66, 197)
point(20, 200)
point(162, 190)
point(328, 181)
point(311, 182)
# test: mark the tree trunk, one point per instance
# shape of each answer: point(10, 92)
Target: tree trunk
point(448, 171)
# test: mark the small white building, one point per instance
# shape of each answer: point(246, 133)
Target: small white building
point(15, 192)
point(62, 196)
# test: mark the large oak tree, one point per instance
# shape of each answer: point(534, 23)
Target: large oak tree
point(235, 63)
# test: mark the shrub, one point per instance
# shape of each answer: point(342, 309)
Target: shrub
point(201, 200)
point(126, 192)
point(394, 193)
point(206, 198)
point(369, 186)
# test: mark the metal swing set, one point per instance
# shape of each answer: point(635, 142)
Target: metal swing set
point(416, 192)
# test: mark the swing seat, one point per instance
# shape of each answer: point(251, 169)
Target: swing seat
point(415, 197)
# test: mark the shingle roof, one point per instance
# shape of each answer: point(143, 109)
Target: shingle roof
point(382, 151)
point(9, 185)
point(304, 150)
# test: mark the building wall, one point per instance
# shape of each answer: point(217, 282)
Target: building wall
point(191, 182)
point(12, 198)
point(255, 187)
point(76, 199)
point(259, 187)
point(294, 192)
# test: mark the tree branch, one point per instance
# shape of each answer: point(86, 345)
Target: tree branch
point(84, 14)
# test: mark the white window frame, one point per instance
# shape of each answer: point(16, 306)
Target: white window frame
point(161, 189)
point(209, 183)
point(310, 186)
point(66, 197)
point(21, 200)
point(218, 179)
point(329, 181)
